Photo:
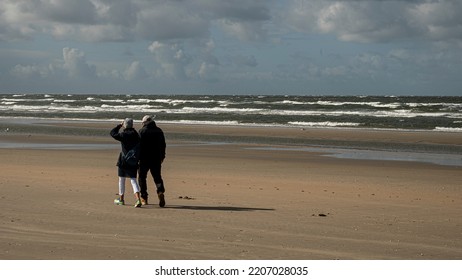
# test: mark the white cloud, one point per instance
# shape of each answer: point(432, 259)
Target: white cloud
point(442, 20)
point(209, 72)
point(29, 71)
point(172, 59)
point(12, 20)
point(209, 69)
point(128, 20)
point(72, 65)
point(377, 21)
point(135, 72)
point(76, 65)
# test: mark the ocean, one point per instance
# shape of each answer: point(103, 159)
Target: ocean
point(376, 112)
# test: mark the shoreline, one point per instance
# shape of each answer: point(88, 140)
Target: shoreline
point(97, 122)
point(349, 143)
point(404, 135)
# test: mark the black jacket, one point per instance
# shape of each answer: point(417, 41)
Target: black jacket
point(152, 144)
point(128, 138)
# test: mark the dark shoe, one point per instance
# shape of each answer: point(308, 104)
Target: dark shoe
point(161, 199)
point(144, 201)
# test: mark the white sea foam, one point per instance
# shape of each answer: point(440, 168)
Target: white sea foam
point(218, 110)
point(291, 102)
point(365, 113)
point(63, 107)
point(453, 105)
point(121, 101)
point(343, 103)
point(448, 129)
point(204, 122)
point(324, 124)
point(27, 99)
point(177, 101)
point(122, 108)
point(64, 100)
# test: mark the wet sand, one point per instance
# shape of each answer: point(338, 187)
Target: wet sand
point(228, 200)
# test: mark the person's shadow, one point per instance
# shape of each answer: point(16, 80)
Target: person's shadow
point(217, 208)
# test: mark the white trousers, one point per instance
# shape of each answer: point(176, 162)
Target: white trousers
point(134, 183)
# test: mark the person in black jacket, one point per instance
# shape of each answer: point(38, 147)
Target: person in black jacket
point(129, 140)
point(152, 155)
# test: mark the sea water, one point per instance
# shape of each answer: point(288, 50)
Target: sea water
point(438, 113)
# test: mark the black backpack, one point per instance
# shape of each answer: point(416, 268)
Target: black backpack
point(132, 157)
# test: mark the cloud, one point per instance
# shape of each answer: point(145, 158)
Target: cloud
point(12, 22)
point(118, 12)
point(29, 71)
point(73, 65)
point(180, 43)
point(194, 19)
point(209, 72)
point(129, 20)
point(158, 20)
point(242, 19)
point(442, 20)
point(66, 11)
point(377, 21)
point(243, 30)
point(135, 72)
point(172, 58)
point(256, 10)
point(209, 69)
point(171, 20)
point(76, 65)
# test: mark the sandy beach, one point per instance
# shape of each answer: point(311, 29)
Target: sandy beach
point(230, 199)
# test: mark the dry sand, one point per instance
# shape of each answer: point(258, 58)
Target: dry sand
point(226, 201)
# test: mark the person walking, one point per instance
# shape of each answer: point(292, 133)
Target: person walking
point(152, 155)
point(128, 159)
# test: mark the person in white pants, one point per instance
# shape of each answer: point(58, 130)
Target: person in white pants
point(129, 139)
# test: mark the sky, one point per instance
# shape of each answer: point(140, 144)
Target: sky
point(292, 47)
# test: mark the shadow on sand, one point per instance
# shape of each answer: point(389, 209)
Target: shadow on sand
point(217, 208)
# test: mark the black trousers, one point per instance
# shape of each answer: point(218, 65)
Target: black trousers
point(155, 168)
